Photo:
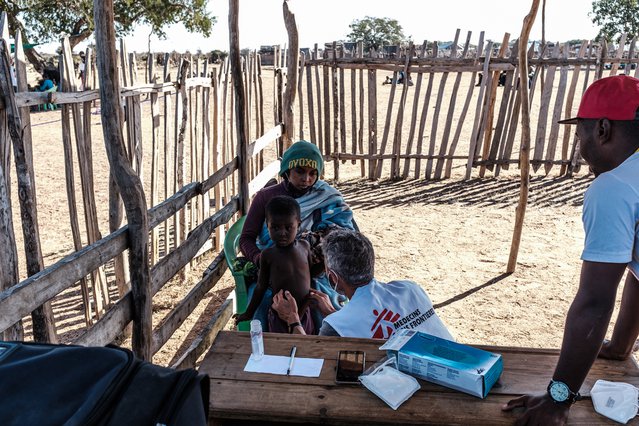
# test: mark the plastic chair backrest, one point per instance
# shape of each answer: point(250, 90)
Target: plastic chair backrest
point(231, 248)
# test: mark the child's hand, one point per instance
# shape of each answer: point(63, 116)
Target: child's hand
point(241, 317)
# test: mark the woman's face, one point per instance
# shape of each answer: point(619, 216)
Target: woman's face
point(302, 178)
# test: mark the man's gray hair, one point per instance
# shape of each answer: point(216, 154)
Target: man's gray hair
point(350, 255)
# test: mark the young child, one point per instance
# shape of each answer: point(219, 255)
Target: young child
point(284, 266)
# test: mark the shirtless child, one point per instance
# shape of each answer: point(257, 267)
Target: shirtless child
point(284, 266)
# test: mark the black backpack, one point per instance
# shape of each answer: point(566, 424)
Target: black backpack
point(44, 384)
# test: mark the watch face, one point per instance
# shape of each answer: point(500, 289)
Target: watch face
point(559, 391)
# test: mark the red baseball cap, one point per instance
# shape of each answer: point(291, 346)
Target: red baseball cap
point(615, 98)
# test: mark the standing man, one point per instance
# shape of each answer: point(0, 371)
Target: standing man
point(608, 130)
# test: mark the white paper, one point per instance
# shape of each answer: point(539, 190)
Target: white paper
point(307, 367)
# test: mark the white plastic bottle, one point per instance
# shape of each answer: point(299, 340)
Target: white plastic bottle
point(257, 340)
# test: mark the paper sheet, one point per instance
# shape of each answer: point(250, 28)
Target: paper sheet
point(307, 367)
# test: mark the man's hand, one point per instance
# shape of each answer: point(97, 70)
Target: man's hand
point(242, 317)
point(609, 351)
point(286, 307)
point(539, 410)
point(322, 302)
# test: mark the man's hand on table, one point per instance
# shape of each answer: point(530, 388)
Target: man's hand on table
point(322, 302)
point(538, 410)
point(609, 351)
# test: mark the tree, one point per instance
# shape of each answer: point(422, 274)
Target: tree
point(375, 32)
point(42, 21)
point(615, 17)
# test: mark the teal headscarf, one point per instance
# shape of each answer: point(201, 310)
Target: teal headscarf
point(302, 154)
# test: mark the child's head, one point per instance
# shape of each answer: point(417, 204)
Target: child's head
point(283, 218)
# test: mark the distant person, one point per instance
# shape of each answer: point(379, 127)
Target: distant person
point(376, 309)
point(82, 68)
point(286, 266)
point(45, 83)
point(608, 131)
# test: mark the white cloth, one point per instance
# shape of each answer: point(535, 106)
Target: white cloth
point(611, 216)
point(376, 310)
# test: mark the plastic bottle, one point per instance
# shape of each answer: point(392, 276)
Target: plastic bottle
point(257, 340)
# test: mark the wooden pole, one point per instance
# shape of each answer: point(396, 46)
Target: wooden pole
point(127, 180)
point(43, 322)
point(291, 76)
point(238, 85)
point(524, 155)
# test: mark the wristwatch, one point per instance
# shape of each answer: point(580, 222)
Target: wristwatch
point(561, 393)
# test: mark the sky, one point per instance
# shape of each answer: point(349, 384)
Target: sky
point(261, 22)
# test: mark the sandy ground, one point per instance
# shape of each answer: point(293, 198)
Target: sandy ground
point(452, 237)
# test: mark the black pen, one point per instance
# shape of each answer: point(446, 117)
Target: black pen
point(290, 362)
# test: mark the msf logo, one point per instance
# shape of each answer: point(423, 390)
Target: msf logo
point(383, 326)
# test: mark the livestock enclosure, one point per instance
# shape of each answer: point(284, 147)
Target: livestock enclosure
point(210, 151)
point(190, 175)
point(444, 113)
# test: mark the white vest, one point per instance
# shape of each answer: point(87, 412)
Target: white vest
point(376, 310)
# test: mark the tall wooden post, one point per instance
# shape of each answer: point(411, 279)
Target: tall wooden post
point(127, 180)
point(524, 156)
point(43, 323)
point(291, 76)
point(240, 110)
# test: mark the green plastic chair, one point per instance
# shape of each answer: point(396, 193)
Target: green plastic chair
point(231, 248)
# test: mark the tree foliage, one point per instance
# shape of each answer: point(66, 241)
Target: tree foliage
point(42, 21)
point(615, 17)
point(376, 32)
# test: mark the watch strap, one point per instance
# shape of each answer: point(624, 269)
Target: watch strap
point(292, 326)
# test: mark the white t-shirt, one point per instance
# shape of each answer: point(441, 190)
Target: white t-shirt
point(611, 216)
point(376, 310)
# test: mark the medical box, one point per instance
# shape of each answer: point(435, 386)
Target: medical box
point(447, 363)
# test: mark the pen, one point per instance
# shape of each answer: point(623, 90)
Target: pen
point(290, 362)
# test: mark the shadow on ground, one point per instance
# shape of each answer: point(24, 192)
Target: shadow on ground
point(497, 192)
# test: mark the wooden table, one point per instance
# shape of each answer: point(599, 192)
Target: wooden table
point(254, 397)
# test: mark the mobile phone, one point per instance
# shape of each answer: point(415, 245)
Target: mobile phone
point(350, 365)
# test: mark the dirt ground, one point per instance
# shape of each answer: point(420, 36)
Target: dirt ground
point(452, 237)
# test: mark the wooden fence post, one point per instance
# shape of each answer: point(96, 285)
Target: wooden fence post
point(291, 76)
point(127, 180)
point(524, 155)
point(43, 322)
point(238, 85)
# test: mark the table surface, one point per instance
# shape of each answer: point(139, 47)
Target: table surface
point(236, 394)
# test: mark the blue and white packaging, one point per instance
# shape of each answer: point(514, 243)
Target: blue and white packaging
point(451, 364)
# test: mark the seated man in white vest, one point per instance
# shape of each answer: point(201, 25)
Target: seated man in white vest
point(375, 310)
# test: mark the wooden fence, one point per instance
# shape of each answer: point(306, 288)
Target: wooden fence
point(446, 115)
point(193, 185)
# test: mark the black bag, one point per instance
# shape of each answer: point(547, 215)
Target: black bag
point(43, 384)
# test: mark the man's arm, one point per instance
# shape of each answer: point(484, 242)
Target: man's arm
point(584, 331)
point(286, 307)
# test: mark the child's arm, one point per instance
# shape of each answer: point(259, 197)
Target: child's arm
point(260, 290)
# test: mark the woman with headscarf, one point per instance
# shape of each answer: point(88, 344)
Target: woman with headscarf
point(322, 208)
